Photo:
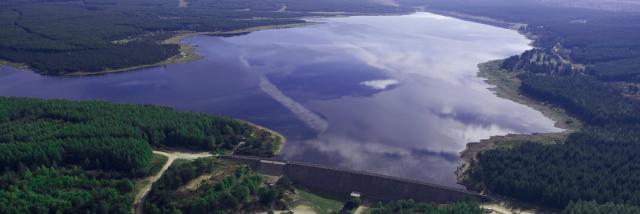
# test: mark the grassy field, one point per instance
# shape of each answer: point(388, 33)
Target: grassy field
point(318, 204)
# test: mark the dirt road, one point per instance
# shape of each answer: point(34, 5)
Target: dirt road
point(172, 156)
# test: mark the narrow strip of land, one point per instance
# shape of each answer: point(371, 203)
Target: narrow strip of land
point(187, 52)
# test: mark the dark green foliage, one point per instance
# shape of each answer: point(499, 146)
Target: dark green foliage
point(77, 157)
point(411, 207)
point(597, 163)
point(62, 37)
point(55, 190)
point(592, 165)
point(243, 191)
point(537, 61)
point(127, 155)
point(589, 99)
point(592, 207)
point(24, 120)
point(262, 143)
point(606, 39)
point(89, 36)
point(618, 70)
point(350, 205)
point(182, 171)
point(91, 60)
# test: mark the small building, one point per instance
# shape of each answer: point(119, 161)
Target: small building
point(355, 194)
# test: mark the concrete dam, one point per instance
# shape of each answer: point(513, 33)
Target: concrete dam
point(341, 183)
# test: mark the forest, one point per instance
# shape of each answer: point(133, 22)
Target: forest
point(579, 54)
point(582, 207)
point(63, 37)
point(597, 163)
point(232, 188)
point(240, 191)
point(410, 206)
point(92, 36)
point(77, 156)
point(605, 42)
point(63, 190)
point(58, 156)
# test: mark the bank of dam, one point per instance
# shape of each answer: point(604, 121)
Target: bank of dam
point(341, 183)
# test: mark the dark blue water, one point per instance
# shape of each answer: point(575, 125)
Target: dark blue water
point(390, 94)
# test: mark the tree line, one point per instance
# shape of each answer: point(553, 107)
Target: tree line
point(242, 191)
point(63, 190)
point(74, 157)
point(56, 38)
point(410, 206)
point(597, 163)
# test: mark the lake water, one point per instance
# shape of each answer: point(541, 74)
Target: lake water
point(396, 95)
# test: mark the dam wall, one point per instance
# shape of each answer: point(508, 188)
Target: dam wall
point(341, 183)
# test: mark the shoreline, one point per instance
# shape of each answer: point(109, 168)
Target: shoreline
point(13, 64)
point(187, 52)
point(519, 27)
point(277, 150)
point(506, 85)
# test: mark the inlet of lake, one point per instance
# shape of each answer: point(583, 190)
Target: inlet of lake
point(396, 95)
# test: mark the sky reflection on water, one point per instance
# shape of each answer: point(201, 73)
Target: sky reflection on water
point(390, 94)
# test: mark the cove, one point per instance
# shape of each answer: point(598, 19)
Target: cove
point(396, 95)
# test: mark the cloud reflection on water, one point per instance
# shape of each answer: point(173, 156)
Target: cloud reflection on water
point(414, 129)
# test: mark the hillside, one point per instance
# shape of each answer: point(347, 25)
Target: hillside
point(63, 156)
point(65, 37)
point(585, 63)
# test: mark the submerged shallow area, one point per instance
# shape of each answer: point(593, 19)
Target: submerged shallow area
point(396, 95)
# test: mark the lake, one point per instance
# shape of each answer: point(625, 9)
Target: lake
point(396, 95)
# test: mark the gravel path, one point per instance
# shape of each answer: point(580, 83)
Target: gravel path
point(172, 156)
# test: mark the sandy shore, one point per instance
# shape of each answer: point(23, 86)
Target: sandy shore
point(284, 139)
point(506, 85)
point(187, 52)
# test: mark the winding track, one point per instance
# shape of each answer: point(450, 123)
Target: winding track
point(172, 156)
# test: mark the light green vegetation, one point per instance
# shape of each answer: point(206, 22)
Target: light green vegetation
point(319, 204)
point(507, 86)
point(78, 157)
point(156, 163)
point(91, 37)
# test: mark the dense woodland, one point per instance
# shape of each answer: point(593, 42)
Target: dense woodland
point(537, 61)
point(89, 36)
point(72, 157)
point(61, 37)
point(25, 120)
point(598, 163)
point(241, 191)
point(584, 97)
point(605, 42)
point(63, 190)
point(592, 207)
point(58, 156)
point(236, 189)
point(410, 207)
